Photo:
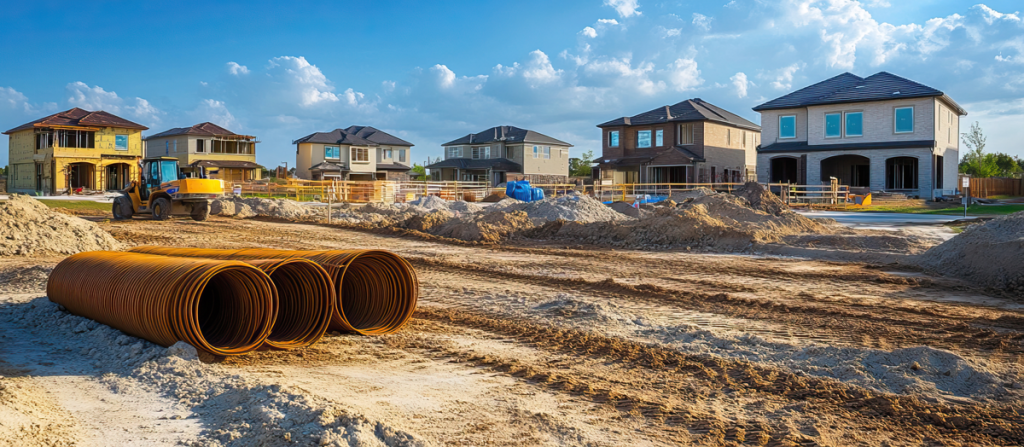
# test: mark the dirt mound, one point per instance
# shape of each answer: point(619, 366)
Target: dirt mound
point(256, 206)
point(465, 207)
point(431, 203)
point(574, 208)
point(490, 227)
point(494, 197)
point(429, 221)
point(30, 415)
point(625, 208)
point(990, 255)
point(684, 196)
point(386, 209)
point(761, 199)
point(28, 227)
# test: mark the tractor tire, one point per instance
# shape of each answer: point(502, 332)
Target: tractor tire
point(200, 211)
point(161, 209)
point(122, 208)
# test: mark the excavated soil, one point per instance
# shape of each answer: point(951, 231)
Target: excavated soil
point(989, 255)
point(27, 227)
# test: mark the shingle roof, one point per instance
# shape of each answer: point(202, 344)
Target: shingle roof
point(328, 166)
point(354, 136)
point(802, 146)
point(849, 87)
point(689, 110)
point(80, 118)
point(392, 167)
point(506, 134)
point(497, 164)
point(227, 164)
point(203, 129)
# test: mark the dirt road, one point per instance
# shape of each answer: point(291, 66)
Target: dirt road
point(526, 345)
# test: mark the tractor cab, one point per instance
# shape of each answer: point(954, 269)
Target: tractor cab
point(163, 192)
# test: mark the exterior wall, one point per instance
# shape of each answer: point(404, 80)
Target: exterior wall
point(723, 150)
point(877, 157)
point(312, 154)
point(879, 124)
point(381, 158)
point(558, 164)
point(305, 159)
point(770, 125)
point(947, 126)
point(24, 157)
point(174, 146)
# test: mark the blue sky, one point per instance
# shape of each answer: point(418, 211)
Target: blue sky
point(431, 72)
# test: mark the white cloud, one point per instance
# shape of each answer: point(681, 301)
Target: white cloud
point(215, 112)
point(783, 77)
point(445, 77)
point(589, 32)
point(79, 94)
point(305, 79)
point(879, 3)
point(236, 69)
point(672, 32)
point(625, 8)
point(353, 97)
point(684, 74)
point(539, 69)
point(991, 16)
point(739, 80)
point(14, 100)
point(702, 21)
point(608, 21)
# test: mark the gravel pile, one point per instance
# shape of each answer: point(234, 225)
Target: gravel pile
point(27, 227)
point(990, 255)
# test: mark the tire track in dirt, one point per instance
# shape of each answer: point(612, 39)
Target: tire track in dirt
point(984, 423)
point(859, 326)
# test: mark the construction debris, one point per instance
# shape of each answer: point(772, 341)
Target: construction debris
point(28, 227)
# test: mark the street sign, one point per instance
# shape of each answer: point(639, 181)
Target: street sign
point(965, 182)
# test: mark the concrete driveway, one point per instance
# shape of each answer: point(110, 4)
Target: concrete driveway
point(927, 224)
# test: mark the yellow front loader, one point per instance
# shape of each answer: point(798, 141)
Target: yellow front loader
point(162, 193)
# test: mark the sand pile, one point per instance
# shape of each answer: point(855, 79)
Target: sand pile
point(989, 255)
point(255, 206)
point(431, 203)
point(576, 208)
point(28, 227)
point(704, 220)
point(490, 227)
point(761, 199)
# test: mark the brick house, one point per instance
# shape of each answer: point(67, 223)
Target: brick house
point(355, 153)
point(879, 133)
point(502, 154)
point(690, 142)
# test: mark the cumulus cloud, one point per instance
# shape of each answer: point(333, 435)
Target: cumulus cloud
point(309, 82)
point(589, 32)
point(608, 21)
point(684, 74)
point(236, 69)
point(625, 8)
point(782, 79)
point(739, 80)
point(95, 98)
point(211, 110)
point(702, 21)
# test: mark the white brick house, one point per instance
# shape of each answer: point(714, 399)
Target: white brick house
point(880, 133)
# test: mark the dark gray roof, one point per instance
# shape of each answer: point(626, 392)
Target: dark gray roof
point(849, 87)
point(328, 166)
point(506, 134)
point(802, 146)
point(201, 129)
point(354, 136)
point(497, 164)
point(392, 167)
point(690, 110)
point(226, 164)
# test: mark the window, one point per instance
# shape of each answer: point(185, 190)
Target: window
point(901, 173)
point(120, 142)
point(481, 152)
point(401, 155)
point(643, 138)
point(333, 152)
point(455, 152)
point(200, 145)
point(360, 154)
point(685, 135)
point(787, 126)
point(904, 117)
point(854, 124)
point(509, 152)
point(728, 137)
point(659, 138)
point(77, 139)
point(744, 141)
point(833, 125)
point(547, 152)
point(938, 171)
point(388, 153)
point(613, 138)
point(536, 152)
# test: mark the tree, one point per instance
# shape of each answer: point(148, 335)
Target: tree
point(975, 162)
point(1006, 165)
point(419, 170)
point(580, 167)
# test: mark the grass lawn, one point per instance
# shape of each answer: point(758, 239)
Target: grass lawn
point(77, 205)
point(973, 210)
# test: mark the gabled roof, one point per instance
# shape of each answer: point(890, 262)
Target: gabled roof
point(354, 136)
point(202, 129)
point(506, 134)
point(690, 110)
point(848, 87)
point(77, 117)
point(497, 164)
point(328, 166)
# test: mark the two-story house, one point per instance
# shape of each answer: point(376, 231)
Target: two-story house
point(74, 149)
point(879, 133)
point(355, 153)
point(692, 141)
point(221, 152)
point(502, 154)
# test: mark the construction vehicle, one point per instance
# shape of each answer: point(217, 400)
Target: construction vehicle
point(162, 192)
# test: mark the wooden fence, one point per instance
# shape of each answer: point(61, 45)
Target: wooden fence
point(995, 186)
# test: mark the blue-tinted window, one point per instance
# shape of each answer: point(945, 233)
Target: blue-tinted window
point(121, 142)
point(904, 120)
point(787, 126)
point(613, 138)
point(332, 152)
point(659, 138)
point(168, 171)
point(833, 125)
point(643, 138)
point(854, 124)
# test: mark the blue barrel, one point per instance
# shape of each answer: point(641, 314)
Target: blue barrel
point(537, 194)
point(510, 188)
point(522, 191)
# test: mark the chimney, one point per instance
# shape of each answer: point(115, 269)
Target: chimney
point(668, 113)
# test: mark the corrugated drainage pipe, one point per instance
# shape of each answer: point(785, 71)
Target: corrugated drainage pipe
point(305, 302)
point(377, 290)
point(219, 306)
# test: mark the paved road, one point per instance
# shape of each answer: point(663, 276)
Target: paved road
point(883, 221)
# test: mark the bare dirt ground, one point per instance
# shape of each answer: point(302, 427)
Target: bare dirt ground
point(546, 345)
